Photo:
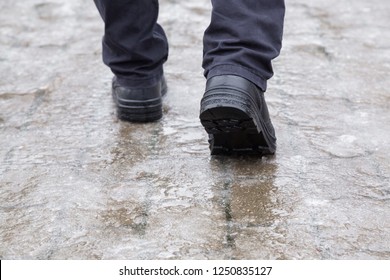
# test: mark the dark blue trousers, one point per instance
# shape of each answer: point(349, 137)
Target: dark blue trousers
point(242, 39)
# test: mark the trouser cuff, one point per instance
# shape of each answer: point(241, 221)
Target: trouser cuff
point(238, 70)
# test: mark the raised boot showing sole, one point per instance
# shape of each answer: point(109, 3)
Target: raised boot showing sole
point(235, 115)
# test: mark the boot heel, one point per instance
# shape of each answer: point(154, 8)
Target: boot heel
point(232, 119)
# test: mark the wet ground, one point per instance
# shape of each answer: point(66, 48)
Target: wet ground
point(76, 183)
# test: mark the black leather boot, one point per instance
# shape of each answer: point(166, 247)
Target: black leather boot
point(139, 104)
point(234, 113)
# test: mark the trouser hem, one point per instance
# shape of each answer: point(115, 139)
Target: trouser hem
point(238, 70)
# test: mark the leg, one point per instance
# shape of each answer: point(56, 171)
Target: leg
point(242, 39)
point(135, 48)
point(134, 45)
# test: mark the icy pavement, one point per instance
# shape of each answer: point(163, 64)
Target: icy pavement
point(75, 183)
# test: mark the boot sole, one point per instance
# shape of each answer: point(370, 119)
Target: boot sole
point(234, 127)
point(139, 111)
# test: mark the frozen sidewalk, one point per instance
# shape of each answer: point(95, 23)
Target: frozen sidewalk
point(76, 183)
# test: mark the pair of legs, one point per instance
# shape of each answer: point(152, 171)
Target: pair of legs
point(241, 40)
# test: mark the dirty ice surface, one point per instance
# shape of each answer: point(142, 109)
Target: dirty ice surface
point(76, 183)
